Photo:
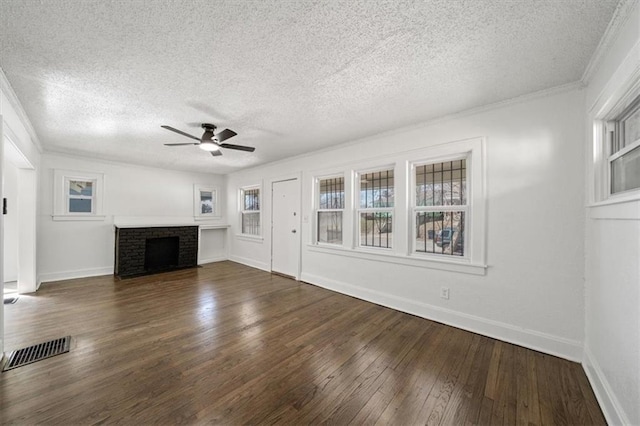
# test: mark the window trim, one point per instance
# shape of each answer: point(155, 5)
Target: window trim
point(317, 209)
point(358, 210)
point(61, 196)
point(610, 107)
point(414, 209)
point(242, 211)
point(402, 251)
point(198, 189)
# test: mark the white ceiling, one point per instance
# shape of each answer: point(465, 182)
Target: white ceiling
point(98, 78)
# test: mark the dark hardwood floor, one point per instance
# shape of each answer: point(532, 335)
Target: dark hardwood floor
point(230, 344)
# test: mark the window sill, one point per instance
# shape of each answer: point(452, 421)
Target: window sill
point(250, 238)
point(209, 217)
point(69, 217)
point(409, 260)
point(616, 209)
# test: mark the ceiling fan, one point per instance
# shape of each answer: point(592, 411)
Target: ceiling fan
point(210, 141)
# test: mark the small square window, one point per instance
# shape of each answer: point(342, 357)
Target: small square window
point(205, 199)
point(77, 195)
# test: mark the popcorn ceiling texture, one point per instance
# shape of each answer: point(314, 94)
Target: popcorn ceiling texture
point(98, 78)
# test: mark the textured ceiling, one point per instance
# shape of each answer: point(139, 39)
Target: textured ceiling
point(98, 78)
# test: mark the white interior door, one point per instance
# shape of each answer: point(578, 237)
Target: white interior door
point(285, 227)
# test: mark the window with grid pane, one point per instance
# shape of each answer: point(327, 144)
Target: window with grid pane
point(330, 210)
point(375, 212)
point(440, 207)
point(250, 215)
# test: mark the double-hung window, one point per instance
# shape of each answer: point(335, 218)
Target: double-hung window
point(330, 209)
point(375, 208)
point(250, 211)
point(440, 207)
point(205, 200)
point(424, 208)
point(623, 140)
point(78, 195)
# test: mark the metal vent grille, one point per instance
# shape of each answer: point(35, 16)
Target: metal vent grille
point(38, 352)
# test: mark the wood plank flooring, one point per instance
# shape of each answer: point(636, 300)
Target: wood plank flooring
point(229, 344)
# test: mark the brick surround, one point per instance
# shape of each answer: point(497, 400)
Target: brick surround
point(131, 245)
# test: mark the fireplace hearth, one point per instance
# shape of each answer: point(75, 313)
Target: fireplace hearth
point(149, 250)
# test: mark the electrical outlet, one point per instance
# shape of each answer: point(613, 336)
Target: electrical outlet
point(444, 292)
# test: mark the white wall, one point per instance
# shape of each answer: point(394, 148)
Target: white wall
point(15, 126)
point(612, 325)
point(68, 249)
point(11, 222)
point(532, 293)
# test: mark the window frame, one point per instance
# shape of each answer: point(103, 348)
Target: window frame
point(317, 210)
point(198, 189)
point(614, 134)
point(414, 209)
point(243, 211)
point(618, 97)
point(61, 197)
point(358, 210)
point(402, 251)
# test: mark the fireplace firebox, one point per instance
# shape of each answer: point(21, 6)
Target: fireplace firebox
point(148, 250)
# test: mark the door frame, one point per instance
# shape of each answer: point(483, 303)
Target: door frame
point(298, 177)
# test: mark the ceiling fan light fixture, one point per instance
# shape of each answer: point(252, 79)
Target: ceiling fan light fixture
point(208, 146)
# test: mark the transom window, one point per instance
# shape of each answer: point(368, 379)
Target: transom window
point(250, 214)
point(330, 210)
point(440, 207)
point(375, 212)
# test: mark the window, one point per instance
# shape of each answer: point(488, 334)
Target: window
point(623, 140)
point(330, 209)
point(205, 202)
point(77, 195)
point(440, 207)
point(375, 212)
point(423, 208)
point(250, 214)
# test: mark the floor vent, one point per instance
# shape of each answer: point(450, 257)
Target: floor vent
point(10, 300)
point(38, 352)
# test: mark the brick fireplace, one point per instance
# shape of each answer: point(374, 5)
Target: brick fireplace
point(148, 250)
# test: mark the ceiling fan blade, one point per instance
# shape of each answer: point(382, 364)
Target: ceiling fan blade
point(225, 134)
point(180, 144)
point(180, 132)
point(238, 147)
point(216, 153)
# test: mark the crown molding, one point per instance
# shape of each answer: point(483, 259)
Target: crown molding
point(6, 88)
point(620, 17)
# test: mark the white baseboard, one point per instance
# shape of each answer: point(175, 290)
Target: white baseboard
point(251, 262)
point(543, 342)
point(609, 404)
point(79, 273)
point(212, 260)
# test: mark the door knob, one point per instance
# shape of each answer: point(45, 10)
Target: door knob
point(293, 231)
